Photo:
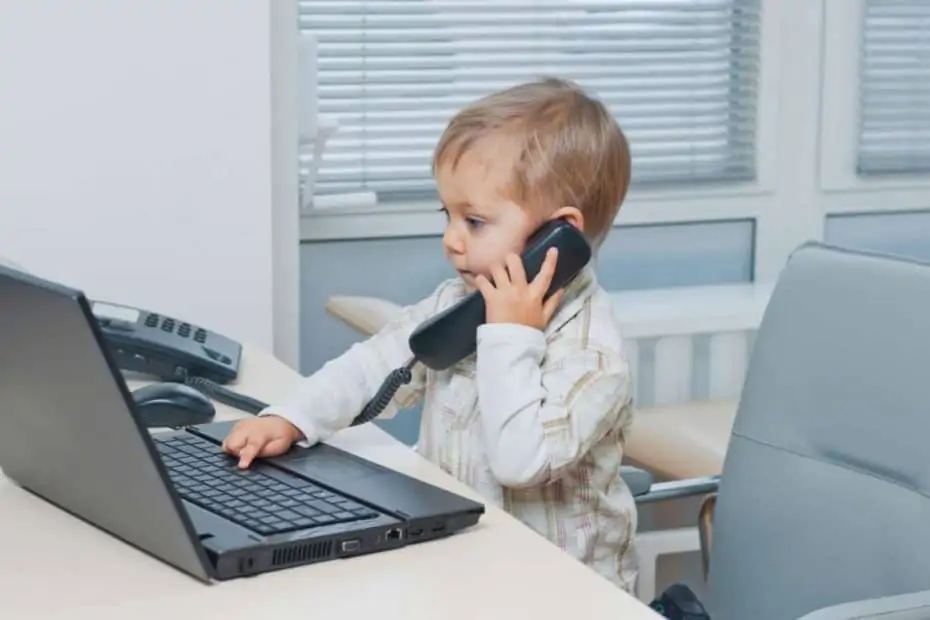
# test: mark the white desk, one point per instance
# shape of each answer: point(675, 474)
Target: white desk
point(54, 566)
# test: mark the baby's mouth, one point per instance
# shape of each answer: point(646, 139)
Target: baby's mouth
point(468, 277)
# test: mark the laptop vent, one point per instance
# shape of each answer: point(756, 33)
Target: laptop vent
point(303, 552)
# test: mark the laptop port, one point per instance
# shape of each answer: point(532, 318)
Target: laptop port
point(439, 527)
point(246, 565)
point(350, 546)
point(413, 533)
point(395, 533)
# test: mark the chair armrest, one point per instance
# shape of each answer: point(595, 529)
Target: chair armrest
point(367, 315)
point(911, 606)
point(638, 480)
point(679, 488)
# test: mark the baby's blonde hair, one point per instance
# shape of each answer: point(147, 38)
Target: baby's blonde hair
point(570, 150)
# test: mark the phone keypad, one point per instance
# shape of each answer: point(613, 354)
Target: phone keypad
point(170, 325)
point(184, 330)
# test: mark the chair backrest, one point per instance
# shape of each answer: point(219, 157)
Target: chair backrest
point(825, 494)
point(5, 262)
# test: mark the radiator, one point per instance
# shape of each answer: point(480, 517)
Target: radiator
point(689, 343)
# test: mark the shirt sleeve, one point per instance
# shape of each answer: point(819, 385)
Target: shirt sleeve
point(542, 410)
point(329, 399)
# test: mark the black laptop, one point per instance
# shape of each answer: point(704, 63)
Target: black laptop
point(69, 433)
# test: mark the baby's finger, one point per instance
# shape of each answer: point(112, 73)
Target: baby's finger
point(248, 453)
point(552, 304)
point(235, 440)
point(515, 267)
point(544, 278)
point(485, 286)
point(501, 279)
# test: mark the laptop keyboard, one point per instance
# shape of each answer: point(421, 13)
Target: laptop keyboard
point(269, 504)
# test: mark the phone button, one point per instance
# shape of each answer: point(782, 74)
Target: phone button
point(213, 355)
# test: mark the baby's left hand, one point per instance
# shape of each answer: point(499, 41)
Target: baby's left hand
point(511, 299)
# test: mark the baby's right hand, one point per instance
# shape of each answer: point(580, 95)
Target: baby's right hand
point(264, 436)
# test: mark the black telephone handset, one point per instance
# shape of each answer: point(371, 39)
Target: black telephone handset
point(449, 336)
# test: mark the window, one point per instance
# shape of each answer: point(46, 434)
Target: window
point(679, 75)
point(894, 92)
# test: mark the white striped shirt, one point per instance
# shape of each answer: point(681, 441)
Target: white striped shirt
point(535, 421)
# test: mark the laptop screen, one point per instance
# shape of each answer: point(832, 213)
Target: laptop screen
point(67, 431)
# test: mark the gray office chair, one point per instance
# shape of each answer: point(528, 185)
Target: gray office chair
point(823, 508)
point(6, 262)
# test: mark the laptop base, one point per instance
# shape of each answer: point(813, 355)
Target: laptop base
point(236, 551)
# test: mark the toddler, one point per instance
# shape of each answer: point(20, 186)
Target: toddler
point(535, 420)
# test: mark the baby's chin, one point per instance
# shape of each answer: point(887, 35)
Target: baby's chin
point(468, 279)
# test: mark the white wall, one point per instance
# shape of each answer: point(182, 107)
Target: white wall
point(148, 156)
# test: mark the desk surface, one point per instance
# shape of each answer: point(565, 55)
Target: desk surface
point(54, 566)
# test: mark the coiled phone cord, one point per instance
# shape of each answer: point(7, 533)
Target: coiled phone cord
point(393, 382)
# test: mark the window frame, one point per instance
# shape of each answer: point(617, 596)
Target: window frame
point(644, 205)
point(847, 191)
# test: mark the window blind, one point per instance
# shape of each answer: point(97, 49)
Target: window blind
point(679, 75)
point(894, 88)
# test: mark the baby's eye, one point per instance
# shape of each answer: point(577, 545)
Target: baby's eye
point(474, 222)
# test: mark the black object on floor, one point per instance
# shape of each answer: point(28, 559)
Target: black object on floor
point(678, 602)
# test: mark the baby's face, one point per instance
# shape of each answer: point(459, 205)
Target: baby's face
point(483, 225)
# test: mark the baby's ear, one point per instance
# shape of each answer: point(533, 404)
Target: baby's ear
point(572, 215)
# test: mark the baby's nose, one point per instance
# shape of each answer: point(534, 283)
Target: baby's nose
point(453, 242)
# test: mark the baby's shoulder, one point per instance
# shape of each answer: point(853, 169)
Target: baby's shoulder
point(593, 329)
point(448, 292)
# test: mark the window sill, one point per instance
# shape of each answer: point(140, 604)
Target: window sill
point(689, 310)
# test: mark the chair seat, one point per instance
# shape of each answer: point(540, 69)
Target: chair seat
point(688, 440)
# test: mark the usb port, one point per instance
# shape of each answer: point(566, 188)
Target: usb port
point(415, 532)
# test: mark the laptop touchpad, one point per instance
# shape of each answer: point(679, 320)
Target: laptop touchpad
point(328, 465)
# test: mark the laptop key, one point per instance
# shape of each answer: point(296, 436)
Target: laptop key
point(323, 506)
point(306, 511)
point(324, 519)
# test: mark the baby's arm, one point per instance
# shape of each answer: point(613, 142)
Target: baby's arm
point(328, 400)
point(540, 420)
